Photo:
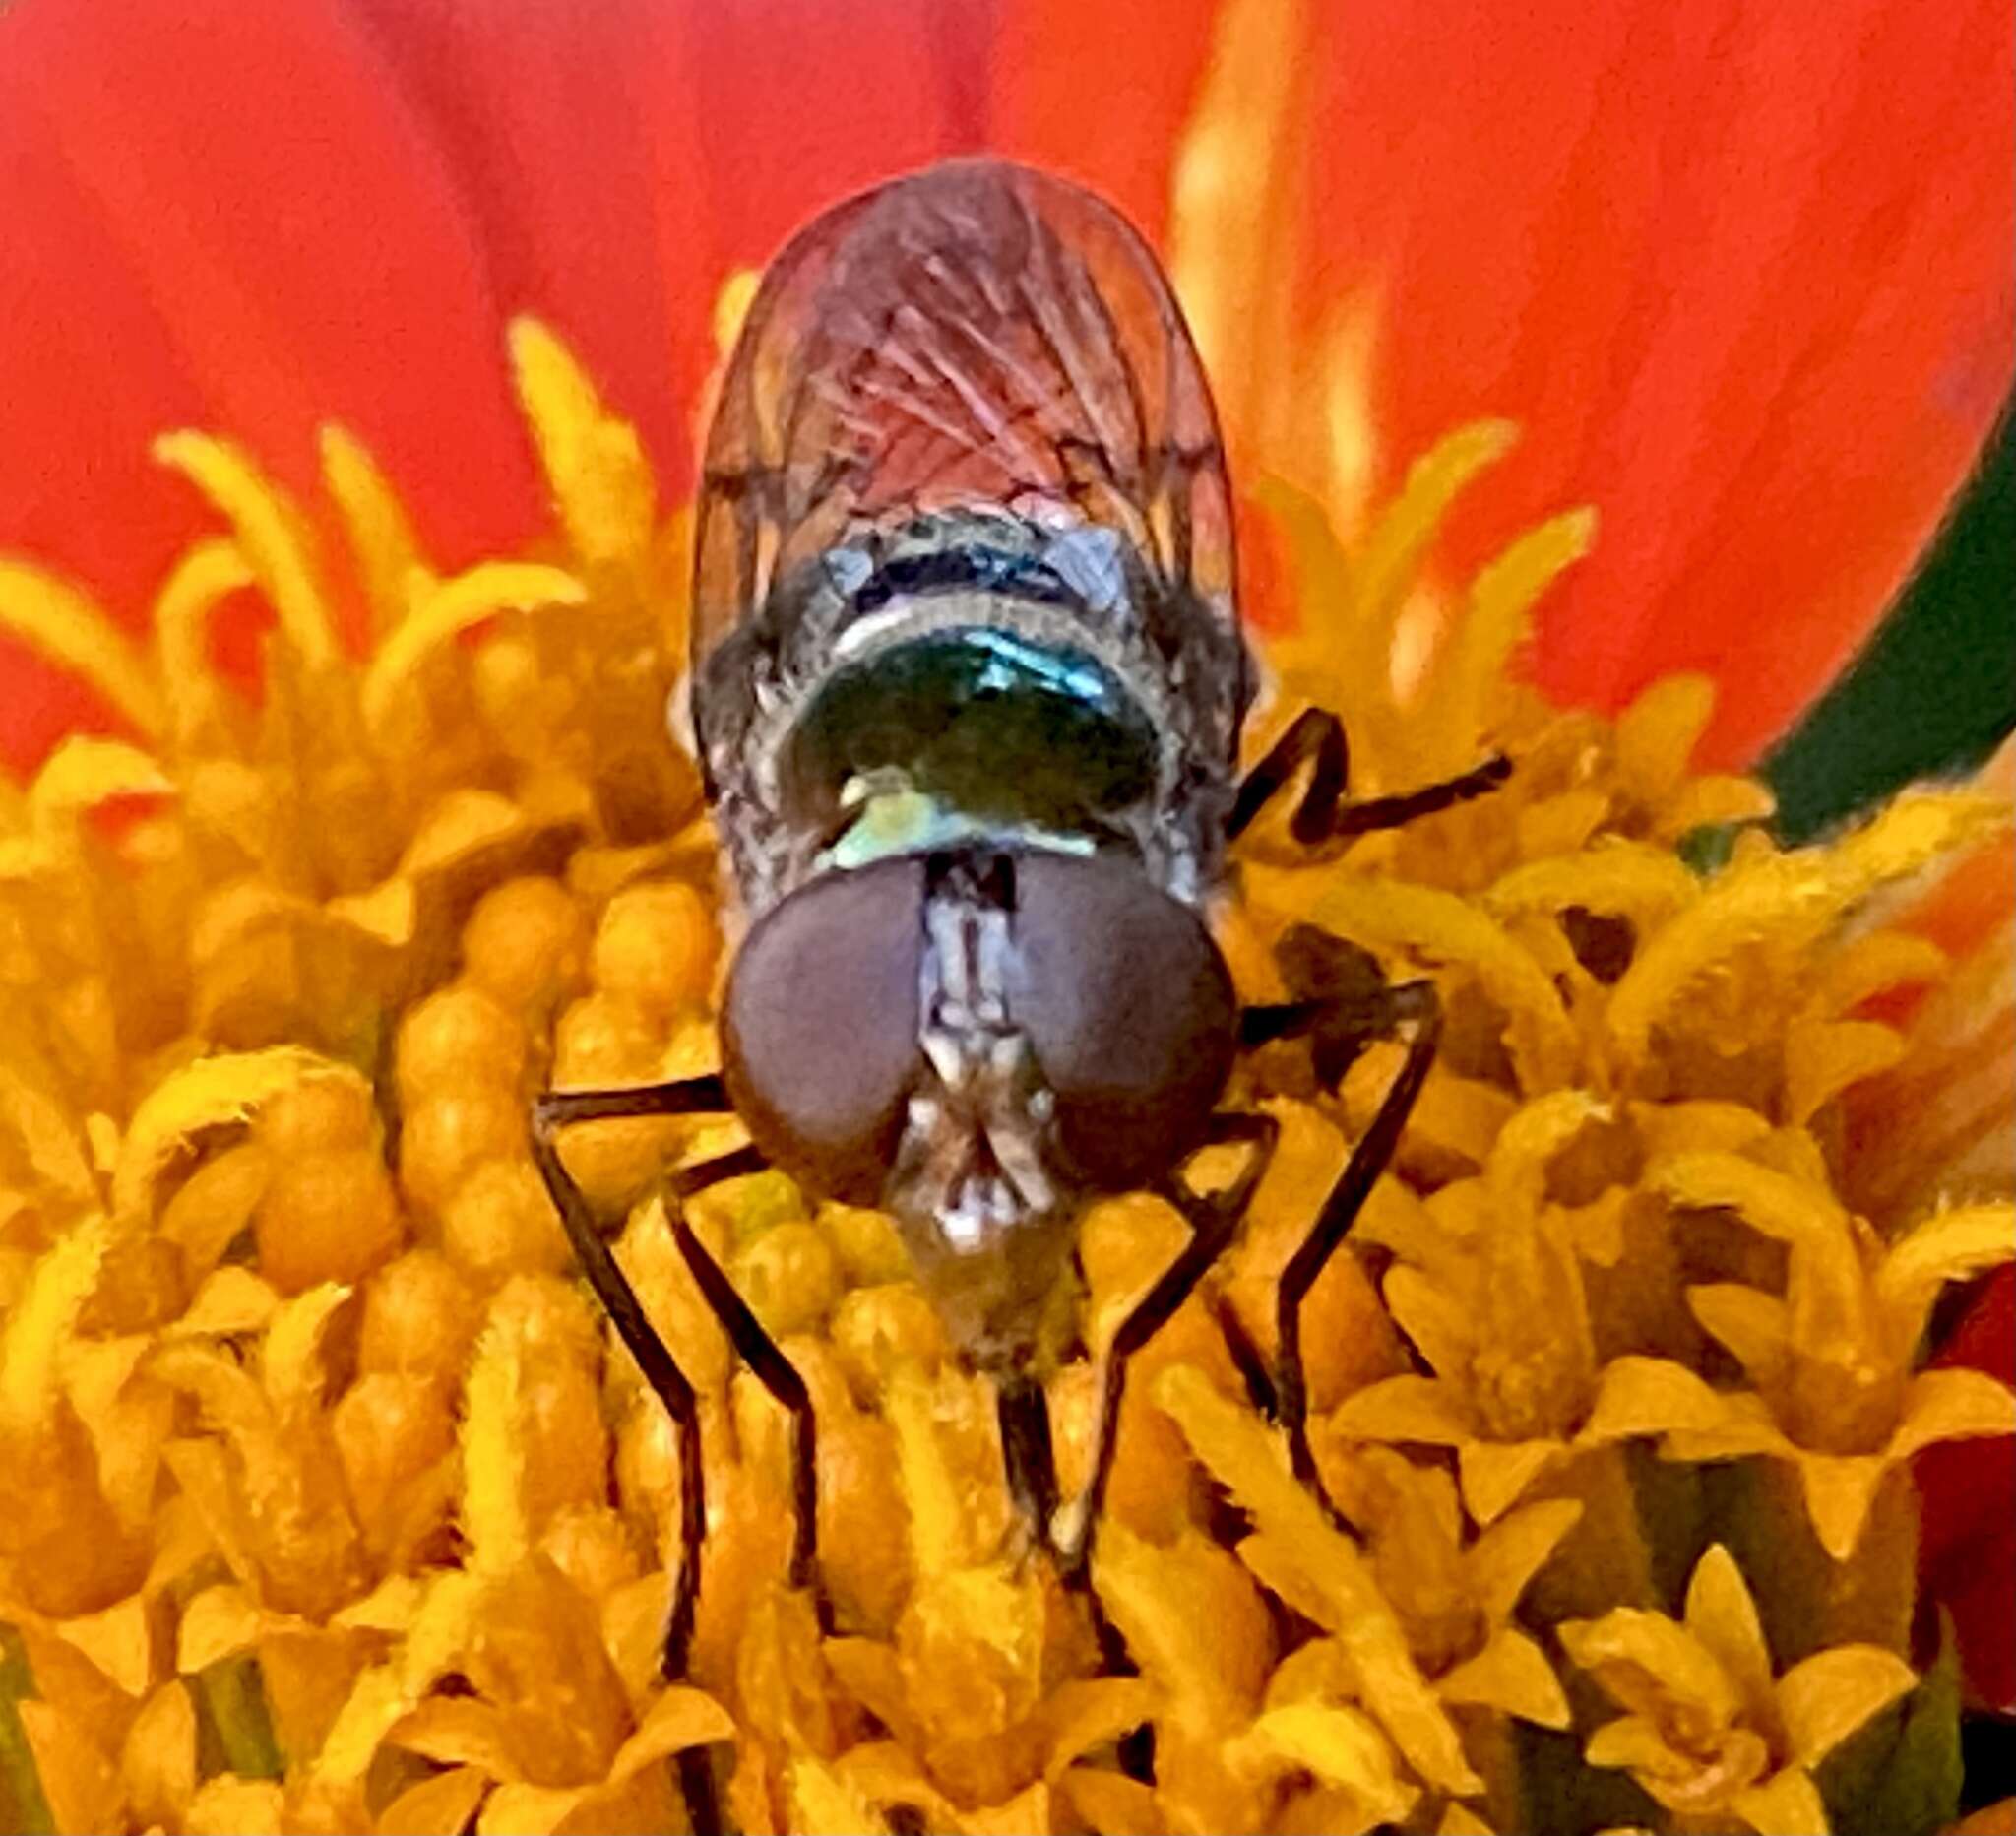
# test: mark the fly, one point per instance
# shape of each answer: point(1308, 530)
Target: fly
point(968, 683)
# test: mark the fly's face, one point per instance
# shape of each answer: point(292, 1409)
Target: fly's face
point(966, 683)
point(975, 1040)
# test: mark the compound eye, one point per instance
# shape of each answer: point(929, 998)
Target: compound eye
point(819, 1032)
point(1130, 1009)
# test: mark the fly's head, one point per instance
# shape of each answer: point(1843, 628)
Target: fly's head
point(977, 1040)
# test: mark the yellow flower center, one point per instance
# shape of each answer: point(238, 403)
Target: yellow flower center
point(295, 1370)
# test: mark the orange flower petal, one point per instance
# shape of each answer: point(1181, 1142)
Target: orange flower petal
point(1741, 276)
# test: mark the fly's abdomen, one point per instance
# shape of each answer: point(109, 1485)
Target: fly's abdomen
point(965, 537)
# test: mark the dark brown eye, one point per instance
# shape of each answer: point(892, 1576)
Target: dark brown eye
point(1130, 1009)
point(819, 1033)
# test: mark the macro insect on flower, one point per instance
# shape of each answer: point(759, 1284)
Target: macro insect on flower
point(968, 683)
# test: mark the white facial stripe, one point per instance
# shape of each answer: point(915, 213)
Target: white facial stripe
point(973, 1151)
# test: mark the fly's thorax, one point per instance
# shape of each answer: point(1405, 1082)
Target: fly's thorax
point(988, 672)
point(979, 1040)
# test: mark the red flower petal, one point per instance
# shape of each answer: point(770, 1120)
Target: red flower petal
point(223, 215)
point(1740, 271)
point(1741, 275)
point(90, 374)
point(621, 161)
point(1102, 93)
point(1967, 1550)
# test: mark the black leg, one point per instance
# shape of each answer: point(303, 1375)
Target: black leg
point(1023, 1413)
point(1325, 815)
point(1411, 1003)
point(776, 1372)
point(1214, 1222)
point(550, 1112)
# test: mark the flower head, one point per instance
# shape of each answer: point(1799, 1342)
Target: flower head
point(352, 823)
point(1832, 1360)
point(1708, 1727)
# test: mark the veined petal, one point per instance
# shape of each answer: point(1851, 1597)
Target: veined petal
point(1442, 1329)
point(181, 178)
point(681, 1716)
point(1048, 104)
point(1641, 1657)
point(1512, 1675)
point(1840, 1489)
point(1946, 1247)
point(445, 1802)
point(1952, 1404)
point(1402, 1408)
point(1634, 1744)
point(1495, 1474)
point(1747, 1426)
point(1825, 1698)
point(1786, 1801)
point(1649, 1396)
point(1752, 1324)
point(1723, 1616)
point(1510, 1552)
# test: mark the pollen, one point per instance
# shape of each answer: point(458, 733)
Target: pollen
point(333, 1503)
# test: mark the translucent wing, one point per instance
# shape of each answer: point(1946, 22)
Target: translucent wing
point(977, 336)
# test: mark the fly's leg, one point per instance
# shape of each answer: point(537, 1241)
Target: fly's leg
point(780, 1377)
point(550, 1112)
point(1214, 1222)
point(1025, 1413)
point(1326, 813)
point(1358, 1008)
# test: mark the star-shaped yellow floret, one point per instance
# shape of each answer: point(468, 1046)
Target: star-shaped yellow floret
point(1709, 1727)
point(1832, 1361)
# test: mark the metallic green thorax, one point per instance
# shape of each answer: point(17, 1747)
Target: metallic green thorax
point(974, 728)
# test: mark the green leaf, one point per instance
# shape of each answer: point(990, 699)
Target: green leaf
point(1934, 689)
point(1901, 1775)
point(1561, 1794)
point(234, 1726)
point(21, 1804)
